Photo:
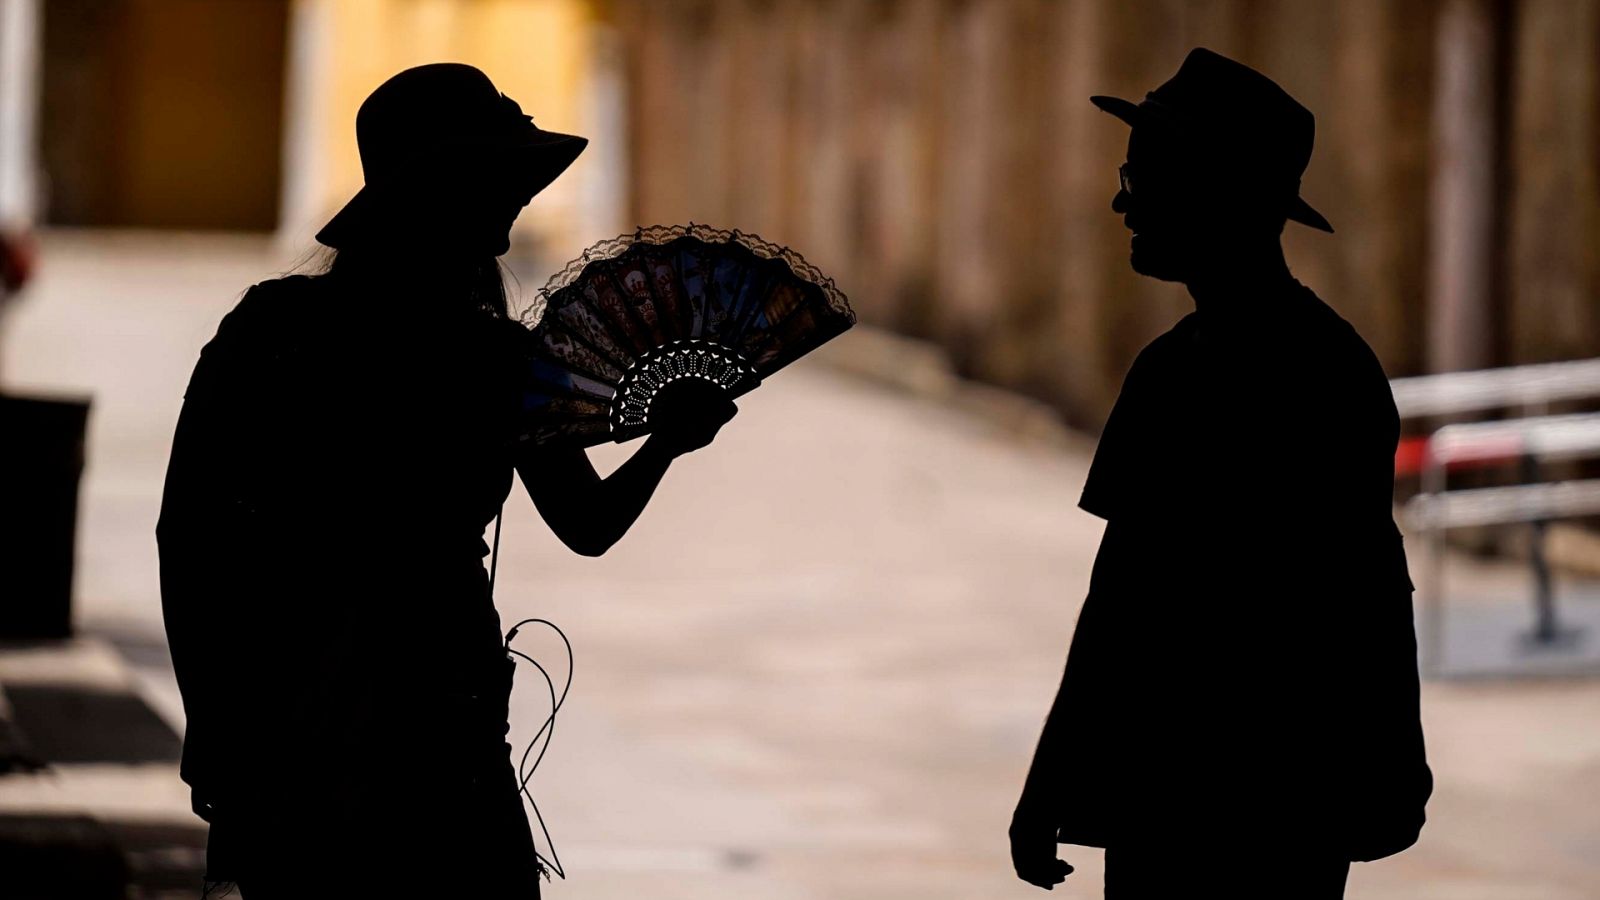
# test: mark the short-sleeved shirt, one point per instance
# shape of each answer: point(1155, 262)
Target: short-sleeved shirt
point(322, 540)
point(1245, 659)
point(1283, 418)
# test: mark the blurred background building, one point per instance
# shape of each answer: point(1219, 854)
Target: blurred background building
point(939, 156)
point(239, 115)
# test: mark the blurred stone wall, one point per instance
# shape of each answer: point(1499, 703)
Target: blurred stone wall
point(1554, 195)
point(940, 158)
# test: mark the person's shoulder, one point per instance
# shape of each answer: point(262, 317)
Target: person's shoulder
point(271, 303)
point(1181, 331)
point(1345, 363)
point(1165, 346)
point(1331, 340)
point(1153, 367)
point(281, 296)
point(267, 317)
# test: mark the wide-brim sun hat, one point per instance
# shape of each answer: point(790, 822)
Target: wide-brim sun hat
point(435, 116)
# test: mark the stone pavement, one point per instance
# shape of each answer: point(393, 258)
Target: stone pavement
point(108, 815)
point(817, 666)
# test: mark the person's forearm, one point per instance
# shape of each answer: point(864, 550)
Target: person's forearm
point(1041, 791)
point(623, 495)
point(1039, 787)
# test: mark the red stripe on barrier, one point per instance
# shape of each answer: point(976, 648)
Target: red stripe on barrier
point(1412, 453)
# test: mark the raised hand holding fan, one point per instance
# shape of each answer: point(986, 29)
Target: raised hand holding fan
point(640, 311)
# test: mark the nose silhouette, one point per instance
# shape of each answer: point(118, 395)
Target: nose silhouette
point(1119, 203)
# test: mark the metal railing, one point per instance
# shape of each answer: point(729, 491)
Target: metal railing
point(1528, 442)
point(1515, 386)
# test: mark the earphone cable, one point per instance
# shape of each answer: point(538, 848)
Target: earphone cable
point(548, 727)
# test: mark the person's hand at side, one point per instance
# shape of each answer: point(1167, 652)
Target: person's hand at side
point(686, 415)
point(1033, 847)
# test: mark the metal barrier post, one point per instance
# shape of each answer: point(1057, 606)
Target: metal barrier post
point(1545, 630)
point(1433, 485)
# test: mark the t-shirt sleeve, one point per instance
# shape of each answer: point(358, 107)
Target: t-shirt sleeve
point(1113, 473)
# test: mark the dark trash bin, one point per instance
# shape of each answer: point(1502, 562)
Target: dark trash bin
point(44, 857)
point(41, 462)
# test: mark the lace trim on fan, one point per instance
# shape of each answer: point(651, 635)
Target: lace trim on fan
point(666, 234)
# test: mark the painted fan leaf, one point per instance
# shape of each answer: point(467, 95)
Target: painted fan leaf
point(639, 311)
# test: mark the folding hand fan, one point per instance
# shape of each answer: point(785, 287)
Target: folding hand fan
point(639, 311)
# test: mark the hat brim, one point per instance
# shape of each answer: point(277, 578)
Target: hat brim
point(1301, 211)
point(1145, 113)
point(1126, 110)
point(545, 154)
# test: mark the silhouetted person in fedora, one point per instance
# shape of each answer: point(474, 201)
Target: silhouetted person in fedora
point(344, 442)
point(1239, 712)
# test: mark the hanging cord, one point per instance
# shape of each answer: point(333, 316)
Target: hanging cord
point(547, 729)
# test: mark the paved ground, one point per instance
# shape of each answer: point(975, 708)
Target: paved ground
point(817, 666)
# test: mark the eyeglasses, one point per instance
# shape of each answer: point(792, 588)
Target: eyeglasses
point(1124, 180)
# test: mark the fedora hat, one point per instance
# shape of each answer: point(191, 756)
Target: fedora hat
point(438, 115)
point(1233, 113)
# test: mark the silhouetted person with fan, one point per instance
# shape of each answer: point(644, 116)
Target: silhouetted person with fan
point(1239, 711)
point(344, 442)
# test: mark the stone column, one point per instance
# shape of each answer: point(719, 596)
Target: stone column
point(1466, 249)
